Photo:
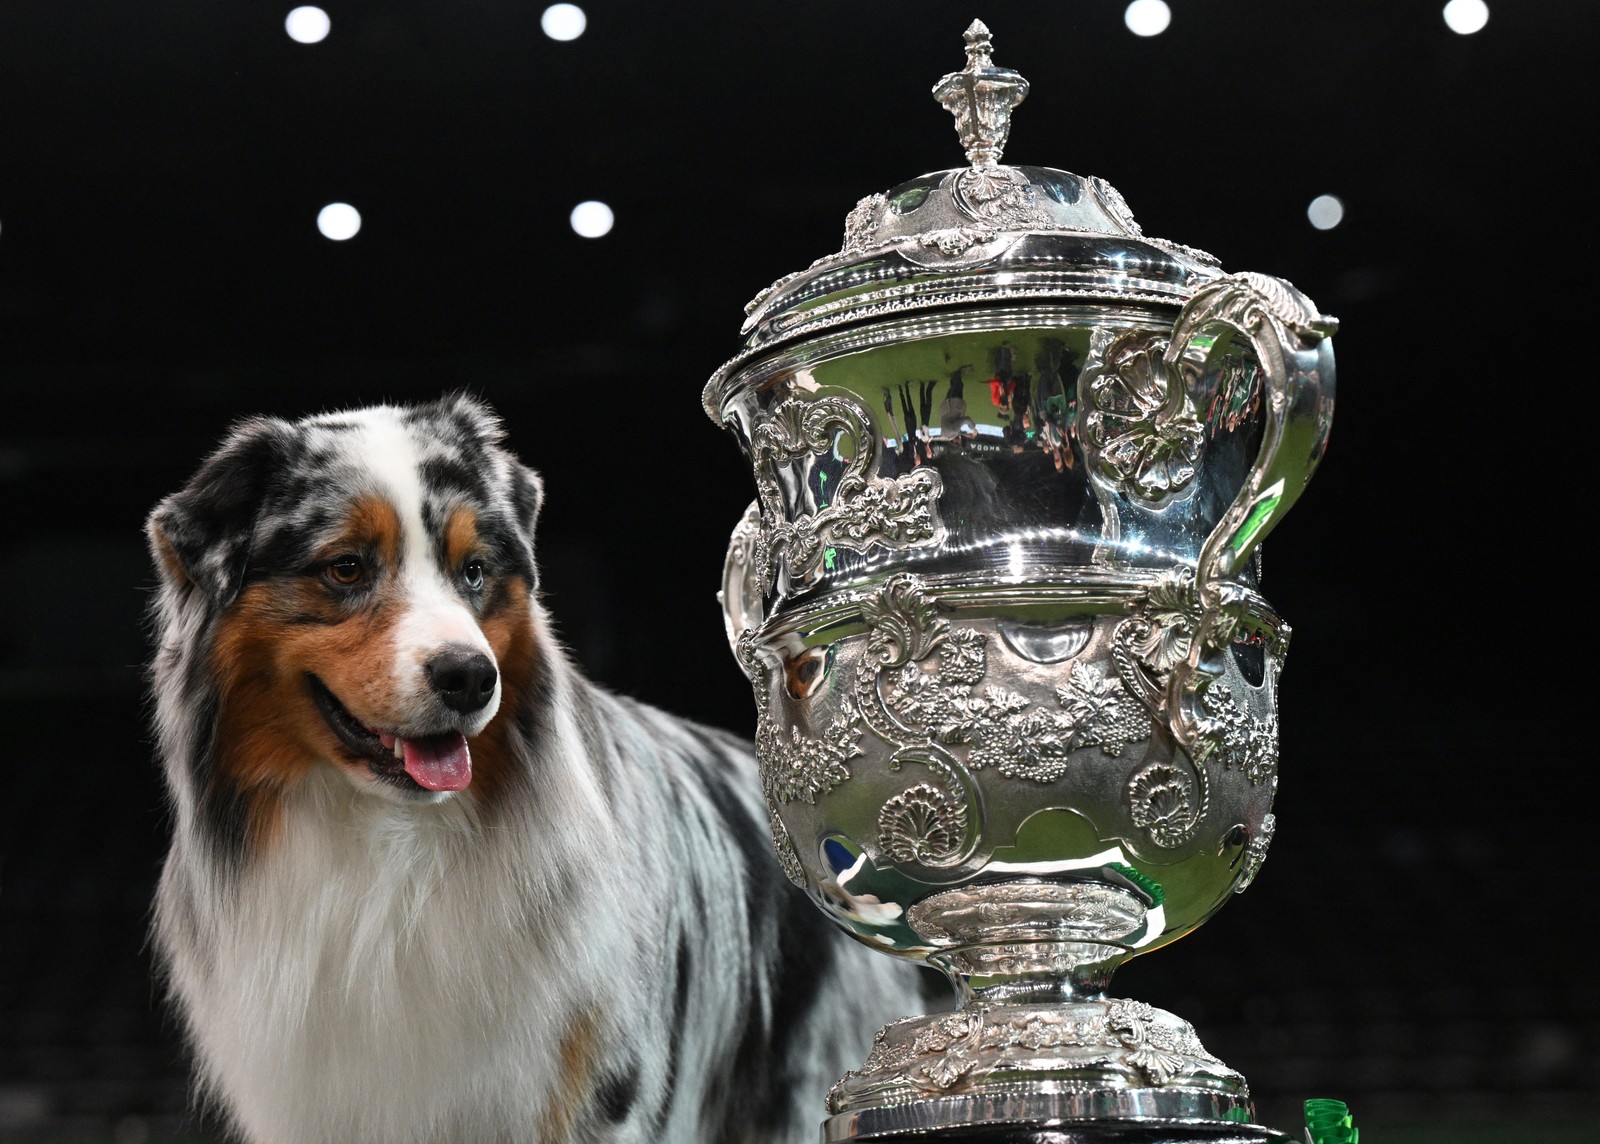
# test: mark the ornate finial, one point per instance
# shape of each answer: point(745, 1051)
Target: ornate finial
point(978, 45)
point(981, 99)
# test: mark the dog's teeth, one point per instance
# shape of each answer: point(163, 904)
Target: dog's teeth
point(399, 749)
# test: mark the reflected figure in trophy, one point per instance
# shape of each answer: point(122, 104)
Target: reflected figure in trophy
point(955, 425)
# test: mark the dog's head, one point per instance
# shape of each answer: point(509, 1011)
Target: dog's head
point(362, 585)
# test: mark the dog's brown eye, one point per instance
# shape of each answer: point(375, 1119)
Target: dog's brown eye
point(346, 570)
point(472, 573)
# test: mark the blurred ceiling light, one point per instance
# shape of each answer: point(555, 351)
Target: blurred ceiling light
point(1325, 212)
point(307, 25)
point(592, 219)
point(1147, 17)
point(339, 221)
point(563, 21)
point(1465, 17)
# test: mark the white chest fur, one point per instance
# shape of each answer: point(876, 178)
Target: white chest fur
point(383, 974)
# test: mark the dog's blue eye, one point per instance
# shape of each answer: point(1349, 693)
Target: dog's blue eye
point(472, 573)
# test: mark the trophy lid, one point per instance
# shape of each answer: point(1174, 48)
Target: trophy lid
point(981, 234)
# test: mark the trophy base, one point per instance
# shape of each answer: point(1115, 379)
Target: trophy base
point(1046, 1118)
point(1101, 1071)
point(1099, 1134)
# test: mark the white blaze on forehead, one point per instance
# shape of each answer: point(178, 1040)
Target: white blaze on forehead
point(434, 616)
point(390, 456)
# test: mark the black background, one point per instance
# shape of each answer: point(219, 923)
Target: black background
point(1410, 946)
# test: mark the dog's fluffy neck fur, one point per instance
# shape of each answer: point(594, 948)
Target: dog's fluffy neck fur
point(370, 931)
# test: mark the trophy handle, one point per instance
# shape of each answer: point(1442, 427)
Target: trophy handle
point(1291, 340)
point(740, 594)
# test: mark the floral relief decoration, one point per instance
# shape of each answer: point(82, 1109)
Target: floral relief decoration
point(1141, 430)
point(957, 1052)
point(863, 511)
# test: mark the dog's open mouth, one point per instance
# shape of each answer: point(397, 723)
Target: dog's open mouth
point(438, 762)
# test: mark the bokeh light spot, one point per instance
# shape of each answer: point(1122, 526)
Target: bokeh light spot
point(563, 21)
point(1465, 17)
point(339, 221)
point(592, 219)
point(1325, 212)
point(1147, 17)
point(307, 25)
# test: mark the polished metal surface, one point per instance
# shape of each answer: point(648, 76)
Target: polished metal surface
point(998, 601)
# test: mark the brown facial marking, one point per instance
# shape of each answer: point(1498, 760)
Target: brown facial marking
point(460, 537)
point(276, 633)
point(578, 1054)
point(370, 523)
point(510, 632)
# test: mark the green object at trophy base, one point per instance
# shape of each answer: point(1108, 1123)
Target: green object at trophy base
point(1328, 1121)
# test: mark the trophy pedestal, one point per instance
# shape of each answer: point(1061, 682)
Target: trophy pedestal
point(1099, 1134)
point(1083, 1071)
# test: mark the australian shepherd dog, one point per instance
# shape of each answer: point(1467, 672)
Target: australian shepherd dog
point(426, 881)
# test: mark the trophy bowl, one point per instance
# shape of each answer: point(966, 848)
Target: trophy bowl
point(998, 599)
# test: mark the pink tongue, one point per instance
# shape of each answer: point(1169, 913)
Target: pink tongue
point(439, 762)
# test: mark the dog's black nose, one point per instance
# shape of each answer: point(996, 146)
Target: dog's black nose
point(463, 680)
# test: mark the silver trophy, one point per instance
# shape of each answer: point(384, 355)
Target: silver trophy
point(998, 599)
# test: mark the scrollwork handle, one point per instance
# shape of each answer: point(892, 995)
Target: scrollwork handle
point(740, 595)
point(1291, 340)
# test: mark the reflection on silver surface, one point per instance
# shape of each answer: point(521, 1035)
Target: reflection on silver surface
point(1047, 643)
point(997, 599)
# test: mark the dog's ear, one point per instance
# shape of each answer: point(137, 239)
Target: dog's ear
point(200, 535)
point(466, 418)
point(527, 496)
